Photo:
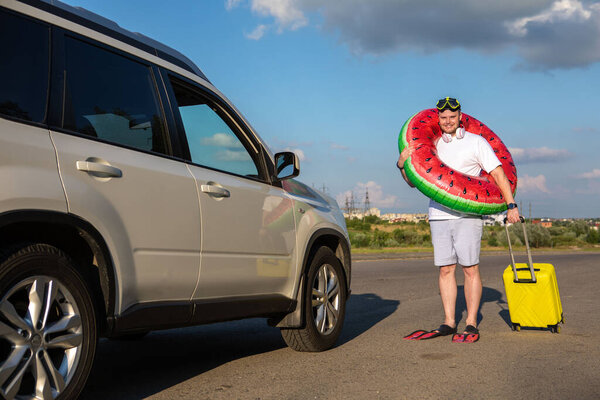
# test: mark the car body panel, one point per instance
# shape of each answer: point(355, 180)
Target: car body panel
point(248, 238)
point(150, 217)
point(28, 171)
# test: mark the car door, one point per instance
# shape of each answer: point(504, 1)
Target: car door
point(115, 161)
point(248, 229)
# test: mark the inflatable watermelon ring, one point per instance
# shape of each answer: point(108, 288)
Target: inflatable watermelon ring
point(453, 189)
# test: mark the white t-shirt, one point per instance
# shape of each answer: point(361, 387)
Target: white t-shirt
point(468, 155)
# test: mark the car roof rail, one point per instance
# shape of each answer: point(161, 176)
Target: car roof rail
point(110, 28)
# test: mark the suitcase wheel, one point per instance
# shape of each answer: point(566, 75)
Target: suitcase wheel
point(516, 327)
point(555, 328)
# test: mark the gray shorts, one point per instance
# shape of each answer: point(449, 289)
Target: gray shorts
point(456, 240)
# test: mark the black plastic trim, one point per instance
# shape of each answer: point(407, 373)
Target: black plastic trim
point(347, 264)
point(153, 316)
point(228, 309)
point(44, 123)
point(165, 315)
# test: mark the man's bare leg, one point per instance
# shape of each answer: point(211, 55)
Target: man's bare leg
point(473, 288)
point(447, 283)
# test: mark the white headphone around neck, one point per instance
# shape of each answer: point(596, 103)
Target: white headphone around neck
point(460, 133)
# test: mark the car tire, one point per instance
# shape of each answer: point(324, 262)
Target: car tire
point(48, 329)
point(324, 305)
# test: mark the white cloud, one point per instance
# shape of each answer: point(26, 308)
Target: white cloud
point(532, 184)
point(564, 35)
point(299, 153)
point(221, 140)
point(377, 197)
point(548, 34)
point(232, 155)
point(257, 33)
point(593, 174)
point(561, 10)
point(337, 146)
point(540, 154)
point(231, 4)
point(287, 13)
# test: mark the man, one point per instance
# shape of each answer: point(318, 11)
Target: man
point(456, 236)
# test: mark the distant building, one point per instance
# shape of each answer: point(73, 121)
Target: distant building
point(490, 220)
point(545, 222)
point(360, 215)
point(403, 217)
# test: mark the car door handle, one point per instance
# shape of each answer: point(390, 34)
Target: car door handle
point(96, 167)
point(215, 191)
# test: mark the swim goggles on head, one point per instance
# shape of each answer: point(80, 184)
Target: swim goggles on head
point(448, 102)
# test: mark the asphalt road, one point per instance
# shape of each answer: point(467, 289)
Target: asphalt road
point(249, 360)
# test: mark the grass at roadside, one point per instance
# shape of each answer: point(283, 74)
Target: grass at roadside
point(484, 249)
point(373, 236)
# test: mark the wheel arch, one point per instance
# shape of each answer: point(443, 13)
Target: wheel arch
point(78, 239)
point(337, 242)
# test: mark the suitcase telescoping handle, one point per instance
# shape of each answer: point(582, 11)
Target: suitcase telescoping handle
point(512, 256)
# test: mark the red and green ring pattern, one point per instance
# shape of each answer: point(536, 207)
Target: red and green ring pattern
point(453, 189)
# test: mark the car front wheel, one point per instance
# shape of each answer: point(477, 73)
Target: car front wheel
point(324, 305)
point(47, 325)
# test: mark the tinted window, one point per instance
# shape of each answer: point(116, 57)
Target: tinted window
point(24, 47)
point(111, 97)
point(211, 141)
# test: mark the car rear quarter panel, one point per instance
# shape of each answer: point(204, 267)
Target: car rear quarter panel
point(28, 169)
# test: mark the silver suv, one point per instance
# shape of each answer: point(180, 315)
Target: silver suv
point(135, 197)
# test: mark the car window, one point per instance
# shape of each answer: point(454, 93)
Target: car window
point(111, 97)
point(211, 141)
point(24, 48)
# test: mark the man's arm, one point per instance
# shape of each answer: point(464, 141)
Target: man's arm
point(502, 181)
point(400, 164)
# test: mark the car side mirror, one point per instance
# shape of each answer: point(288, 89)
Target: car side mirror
point(287, 165)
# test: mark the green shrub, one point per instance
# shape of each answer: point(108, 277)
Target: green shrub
point(412, 237)
point(357, 224)
point(391, 243)
point(398, 235)
point(580, 227)
point(557, 230)
point(566, 239)
point(372, 219)
point(487, 233)
point(379, 238)
point(538, 236)
point(593, 236)
point(514, 239)
point(359, 239)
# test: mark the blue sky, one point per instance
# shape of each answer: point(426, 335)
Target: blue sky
point(335, 80)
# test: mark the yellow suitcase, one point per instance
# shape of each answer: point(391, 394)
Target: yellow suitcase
point(532, 292)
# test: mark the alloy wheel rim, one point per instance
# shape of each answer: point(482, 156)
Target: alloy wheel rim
point(326, 299)
point(41, 338)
